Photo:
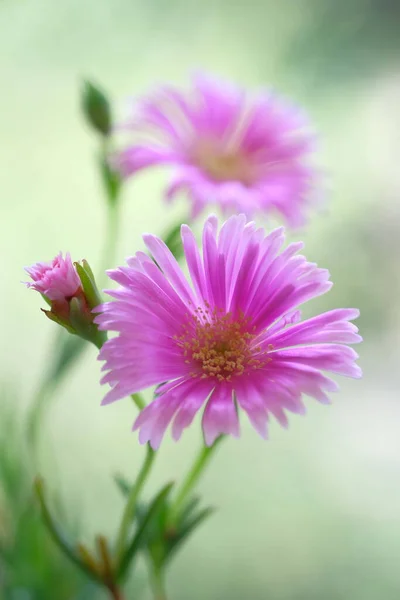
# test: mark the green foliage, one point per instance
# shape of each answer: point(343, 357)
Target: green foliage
point(173, 240)
point(31, 566)
point(187, 525)
point(154, 535)
point(151, 519)
point(88, 282)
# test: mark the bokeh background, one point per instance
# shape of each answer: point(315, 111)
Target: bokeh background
point(314, 513)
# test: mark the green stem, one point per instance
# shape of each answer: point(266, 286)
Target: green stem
point(191, 480)
point(138, 400)
point(158, 584)
point(110, 244)
point(130, 506)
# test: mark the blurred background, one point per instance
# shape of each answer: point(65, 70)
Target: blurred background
point(314, 513)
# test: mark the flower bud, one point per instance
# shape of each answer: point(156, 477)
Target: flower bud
point(71, 292)
point(96, 108)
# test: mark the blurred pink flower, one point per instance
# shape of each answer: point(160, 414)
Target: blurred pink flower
point(245, 154)
point(231, 340)
point(57, 280)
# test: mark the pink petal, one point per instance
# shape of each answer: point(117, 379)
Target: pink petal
point(220, 415)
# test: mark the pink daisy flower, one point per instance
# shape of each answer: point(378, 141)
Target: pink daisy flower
point(232, 339)
point(245, 154)
point(57, 279)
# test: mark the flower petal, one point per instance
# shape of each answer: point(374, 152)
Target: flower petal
point(220, 415)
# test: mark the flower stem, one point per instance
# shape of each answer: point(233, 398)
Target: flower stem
point(138, 400)
point(191, 480)
point(158, 584)
point(130, 506)
point(110, 243)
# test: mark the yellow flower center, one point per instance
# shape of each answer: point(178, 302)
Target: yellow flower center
point(219, 345)
point(222, 164)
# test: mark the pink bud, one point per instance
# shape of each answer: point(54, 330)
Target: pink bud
point(56, 280)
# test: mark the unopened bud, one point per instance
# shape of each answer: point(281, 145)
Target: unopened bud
point(96, 108)
point(71, 292)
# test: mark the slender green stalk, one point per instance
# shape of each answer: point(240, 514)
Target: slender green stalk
point(158, 584)
point(191, 480)
point(130, 506)
point(110, 243)
point(138, 400)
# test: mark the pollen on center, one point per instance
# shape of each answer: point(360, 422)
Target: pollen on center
point(220, 345)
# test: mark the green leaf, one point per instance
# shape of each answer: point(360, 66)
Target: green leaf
point(175, 541)
point(123, 485)
point(88, 282)
point(188, 509)
point(96, 108)
point(57, 535)
point(53, 317)
point(173, 240)
point(29, 560)
point(145, 525)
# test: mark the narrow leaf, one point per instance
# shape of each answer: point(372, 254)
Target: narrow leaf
point(173, 240)
point(141, 533)
point(56, 533)
point(123, 485)
point(188, 509)
point(85, 274)
point(176, 541)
